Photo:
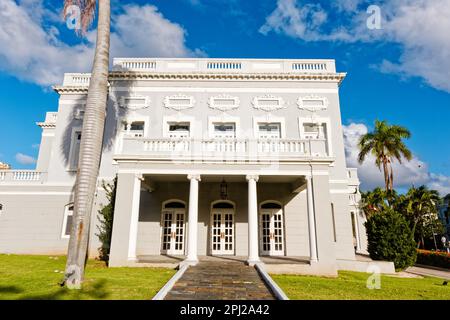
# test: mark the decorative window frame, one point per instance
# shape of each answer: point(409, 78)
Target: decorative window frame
point(269, 119)
point(225, 107)
point(178, 107)
point(313, 97)
point(133, 106)
point(280, 105)
point(70, 166)
point(177, 118)
point(318, 120)
point(129, 119)
point(224, 119)
point(64, 224)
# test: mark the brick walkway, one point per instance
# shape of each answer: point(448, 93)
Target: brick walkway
point(227, 280)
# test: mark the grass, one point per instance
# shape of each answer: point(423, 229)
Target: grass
point(37, 277)
point(352, 286)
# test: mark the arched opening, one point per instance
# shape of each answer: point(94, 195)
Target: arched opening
point(271, 228)
point(173, 227)
point(222, 227)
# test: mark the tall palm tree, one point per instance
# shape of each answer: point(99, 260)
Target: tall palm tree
point(91, 139)
point(421, 207)
point(385, 143)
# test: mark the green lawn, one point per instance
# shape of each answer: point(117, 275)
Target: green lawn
point(352, 286)
point(37, 277)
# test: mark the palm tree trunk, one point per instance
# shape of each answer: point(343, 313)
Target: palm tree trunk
point(386, 173)
point(391, 176)
point(90, 151)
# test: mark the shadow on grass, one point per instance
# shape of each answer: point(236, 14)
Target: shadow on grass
point(10, 289)
point(95, 290)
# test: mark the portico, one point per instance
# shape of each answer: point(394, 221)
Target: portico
point(186, 216)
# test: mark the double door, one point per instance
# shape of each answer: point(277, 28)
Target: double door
point(173, 231)
point(271, 232)
point(222, 231)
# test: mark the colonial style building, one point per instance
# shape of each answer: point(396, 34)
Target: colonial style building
point(221, 157)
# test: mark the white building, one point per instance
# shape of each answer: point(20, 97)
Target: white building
point(238, 157)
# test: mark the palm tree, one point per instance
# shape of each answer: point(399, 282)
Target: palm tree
point(421, 208)
point(91, 139)
point(385, 144)
point(373, 201)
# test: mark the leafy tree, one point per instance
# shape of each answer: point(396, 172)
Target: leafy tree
point(377, 200)
point(91, 138)
point(106, 220)
point(385, 143)
point(390, 238)
point(421, 208)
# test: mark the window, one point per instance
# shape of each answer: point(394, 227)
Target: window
point(314, 131)
point(174, 205)
point(134, 129)
point(334, 222)
point(179, 129)
point(1, 208)
point(68, 221)
point(223, 205)
point(270, 205)
point(75, 149)
point(224, 130)
point(269, 130)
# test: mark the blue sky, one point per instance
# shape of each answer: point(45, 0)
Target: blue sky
point(399, 73)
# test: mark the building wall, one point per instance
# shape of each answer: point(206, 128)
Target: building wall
point(31, 220)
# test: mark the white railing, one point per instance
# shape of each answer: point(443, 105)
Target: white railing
point(352, 174)
point(207, 65)
point(77, 79)
point(170, 148)
point(22, 176)
point(51, 117)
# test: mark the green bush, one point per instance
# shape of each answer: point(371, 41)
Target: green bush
point(390, 238)
point(106, 218)
point(433, 258)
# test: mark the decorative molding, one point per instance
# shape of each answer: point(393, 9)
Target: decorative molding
point(123, 103)
point(120, 75)
point(323, 103)
point(224, 107)
point(278, 103)
point(170, 105)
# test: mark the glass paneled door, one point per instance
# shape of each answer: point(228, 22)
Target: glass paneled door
point(222, 231)
point(271, 231)
point(173, 231)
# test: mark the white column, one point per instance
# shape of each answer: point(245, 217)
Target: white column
point(311, 221)
point(253, 256)
point(136, 194)
point(358, 240)
point(192, 257)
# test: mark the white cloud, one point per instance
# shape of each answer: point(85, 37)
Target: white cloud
point(25, 159)
point(33, 52)
point(420, 27)
point(414, 172)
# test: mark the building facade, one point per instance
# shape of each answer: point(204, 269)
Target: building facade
point(239, 157)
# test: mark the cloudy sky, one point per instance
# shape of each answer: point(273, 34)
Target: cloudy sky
point(400, 73)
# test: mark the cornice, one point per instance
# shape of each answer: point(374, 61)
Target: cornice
point(121, 75)
point(46, 125)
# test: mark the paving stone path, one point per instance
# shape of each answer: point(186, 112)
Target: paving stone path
point(228, 280)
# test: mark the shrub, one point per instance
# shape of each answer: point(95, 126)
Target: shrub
point(390, 238)
point(106, 220)
point(433, 258)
